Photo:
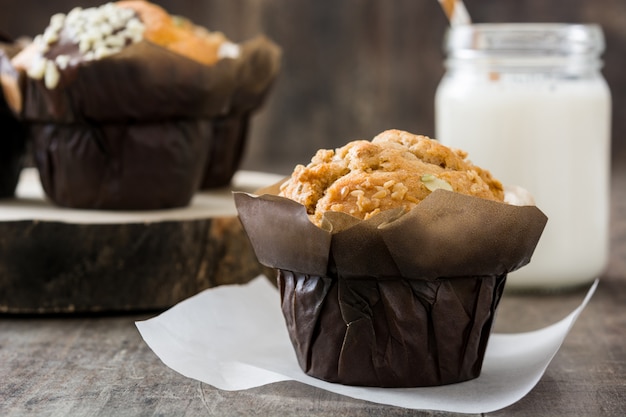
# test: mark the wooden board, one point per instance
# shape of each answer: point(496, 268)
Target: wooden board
point(58, 260)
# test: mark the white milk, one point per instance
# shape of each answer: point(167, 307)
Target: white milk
point(548, 132)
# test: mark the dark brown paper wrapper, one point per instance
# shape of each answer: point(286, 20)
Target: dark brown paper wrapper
point(258, 68)
point(226, 150)
point(391, 332)
point(12, 137)
point(144, 82)
point(399, 300)
point(142, 166)
point(97, 135)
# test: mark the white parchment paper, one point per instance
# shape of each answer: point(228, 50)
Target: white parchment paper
point(234, 338)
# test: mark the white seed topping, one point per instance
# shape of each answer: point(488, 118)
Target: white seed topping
point(41, 44)
point(398, 191)
point(106, 29)
point(37, 68)
point(52, 76)
point(228, 50)
point(434, 183)
point(380, 194)
point(115, 41)
point(62, 61)
point(84, 45)
point(57, 20)
point(103, 51)
point(74, 14)
point(50, 36)
point(97, 31)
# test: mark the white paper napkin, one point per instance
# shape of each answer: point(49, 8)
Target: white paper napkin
point(234, 338)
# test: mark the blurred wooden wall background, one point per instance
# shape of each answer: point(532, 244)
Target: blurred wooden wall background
point(352, 68)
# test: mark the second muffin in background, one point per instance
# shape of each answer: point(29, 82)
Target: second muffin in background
point(127, 105)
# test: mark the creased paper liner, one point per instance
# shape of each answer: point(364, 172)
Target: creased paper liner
point(447, 235)
point(370, 302)
point(148, 83)
point(234, 338)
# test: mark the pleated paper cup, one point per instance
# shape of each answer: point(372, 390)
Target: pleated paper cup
point(400, 299)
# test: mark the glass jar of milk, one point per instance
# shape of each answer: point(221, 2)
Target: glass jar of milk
point(527, 102)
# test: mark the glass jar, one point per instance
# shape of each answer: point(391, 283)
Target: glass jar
point(527, 101)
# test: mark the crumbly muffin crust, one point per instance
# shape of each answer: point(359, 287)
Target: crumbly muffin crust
point(177, 33)
point(395, 169)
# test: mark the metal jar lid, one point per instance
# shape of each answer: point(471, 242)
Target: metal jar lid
point(524, 39)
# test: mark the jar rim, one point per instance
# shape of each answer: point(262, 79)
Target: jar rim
point(562, 39)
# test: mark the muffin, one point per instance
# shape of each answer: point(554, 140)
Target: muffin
point(125, 103)
point(395, 169)
point(260, 65)
point(12, 138)
point(383, 290)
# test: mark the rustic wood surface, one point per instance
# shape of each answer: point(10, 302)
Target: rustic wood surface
point(99, 365)
point(55, 260)
point(350, 70)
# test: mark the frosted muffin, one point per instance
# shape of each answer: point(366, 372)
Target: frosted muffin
point(121, 102)
point(402, 293)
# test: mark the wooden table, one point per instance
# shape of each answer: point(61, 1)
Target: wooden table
point(99, 365)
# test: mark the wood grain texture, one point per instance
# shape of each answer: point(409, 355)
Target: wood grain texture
point(54, 267)
point(56, 260)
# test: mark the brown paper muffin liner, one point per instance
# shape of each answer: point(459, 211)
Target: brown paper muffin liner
point(399, 300)
point(143, 82)
point(142, 166)
point(226, 149)
point(258, 69)
point(392, 331)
